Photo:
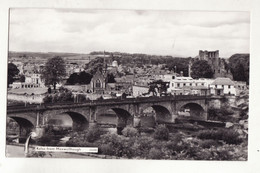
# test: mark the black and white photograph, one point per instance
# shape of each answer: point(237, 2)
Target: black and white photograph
point(128, 84)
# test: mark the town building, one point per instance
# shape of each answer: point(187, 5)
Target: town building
point(31, 81)
point(222, 86)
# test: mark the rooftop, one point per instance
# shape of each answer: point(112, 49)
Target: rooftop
point(222, 81)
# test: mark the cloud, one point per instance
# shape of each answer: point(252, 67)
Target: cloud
point(152, 32)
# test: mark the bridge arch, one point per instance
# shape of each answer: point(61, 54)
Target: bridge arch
point(160, 113)
point(79, 121)
point(26, 124)
point(119, 117)
point(194, 110)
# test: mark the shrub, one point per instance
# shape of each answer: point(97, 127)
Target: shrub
point(155, 153)
point(208, 143)
point(106, 149)
point(81, 98)
point(47, 99)
point(36, 154)
point(161, 133)
point(93, 134)
point(130, 132)
point(143, 145)
point(122, 146)
point(228, 135)
point(221, 115)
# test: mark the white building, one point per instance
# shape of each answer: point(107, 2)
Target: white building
point(33, 81)
point(222, 86)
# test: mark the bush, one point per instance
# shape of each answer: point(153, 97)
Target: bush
point(36, 154)
point(143, 145)
point(106, 149)
point(155, 153)
point(93, 134)
point(161, 133)
point(227, 135)
point(121, 146)
point(224, 115)
point(130, 132)
point(58, 97)
point(208, 143)
point(81, 98)
point(47, 99)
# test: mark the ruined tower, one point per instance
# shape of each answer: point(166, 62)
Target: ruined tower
point(217, 64)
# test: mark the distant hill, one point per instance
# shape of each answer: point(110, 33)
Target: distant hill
point(43, 56)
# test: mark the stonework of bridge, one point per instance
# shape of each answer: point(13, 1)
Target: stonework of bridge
point(126, 111)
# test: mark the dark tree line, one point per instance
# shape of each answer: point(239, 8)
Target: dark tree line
point(13, 71)
point(81, 78)
point(201, 69)
point(239, 67)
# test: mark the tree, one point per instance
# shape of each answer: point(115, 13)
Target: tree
point(84, 78)
point(201, 69)
point(12, 72)
point(178, 64)
point(239, 67)
point(158, 87)
point(73, 79)
point(22, 78)
point(54, 71)
point(110, 78)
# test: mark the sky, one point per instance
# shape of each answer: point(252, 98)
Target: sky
point(176, 33)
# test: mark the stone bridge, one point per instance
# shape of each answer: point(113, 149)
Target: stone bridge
point(120, 112)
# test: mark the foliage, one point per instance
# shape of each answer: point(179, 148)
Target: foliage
point(81, 78)
point(130, 132)
point(12, 72)
point(54, 71)
point(228, 135)
point(178, 65)
point(93, 134)
point(155, 153)
point(201, 69)
point(239, 66)
point(161, 133)
point(81, 98)
point(208, 143)
point(121, 146)
point(158, 87)
point(110, 78)
point(85, 138)
point(37, 154)
point(22, 78)
point(95, 65)
point(73, 79)
point(59, 97)
point(223, 114)
point(48, 139)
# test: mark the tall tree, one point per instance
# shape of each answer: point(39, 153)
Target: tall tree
point(239, 66)
point(22, 78)
point(201, 69)
point(178, 65)
point(84, 78)
point(54, 71)
point(12, 72)
point(73, 79)
point(110, 78)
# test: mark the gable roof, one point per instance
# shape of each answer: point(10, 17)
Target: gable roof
point(222, 81)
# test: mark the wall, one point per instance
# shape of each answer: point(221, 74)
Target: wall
point(139, 90)
point(26, 98)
